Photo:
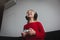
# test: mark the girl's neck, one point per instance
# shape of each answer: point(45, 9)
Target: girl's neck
point(32, 20)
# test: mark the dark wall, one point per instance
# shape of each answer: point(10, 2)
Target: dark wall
point(1, 14)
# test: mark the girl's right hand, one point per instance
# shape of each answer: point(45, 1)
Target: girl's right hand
point(23, 34)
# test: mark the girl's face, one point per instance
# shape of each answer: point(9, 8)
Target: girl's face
point(30, 14)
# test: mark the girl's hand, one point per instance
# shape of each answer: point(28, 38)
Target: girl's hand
point(23, 34)
point(31, 31)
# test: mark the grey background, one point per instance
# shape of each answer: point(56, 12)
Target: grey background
point(14, 17)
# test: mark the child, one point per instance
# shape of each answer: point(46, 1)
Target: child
point(33, 30)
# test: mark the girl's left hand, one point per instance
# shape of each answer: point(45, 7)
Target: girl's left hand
point(31, 31)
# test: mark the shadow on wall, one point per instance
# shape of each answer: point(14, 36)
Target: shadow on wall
point(1, 15)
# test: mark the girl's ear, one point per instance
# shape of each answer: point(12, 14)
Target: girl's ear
point(26, 17)
point(35, 16)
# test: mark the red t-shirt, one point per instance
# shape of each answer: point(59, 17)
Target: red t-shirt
point(37, 26)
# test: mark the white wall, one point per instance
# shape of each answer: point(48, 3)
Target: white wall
point(14, 17)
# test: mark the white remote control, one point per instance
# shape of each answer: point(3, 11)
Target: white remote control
point(26, 30)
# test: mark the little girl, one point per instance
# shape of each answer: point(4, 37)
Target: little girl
point(33, 30)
